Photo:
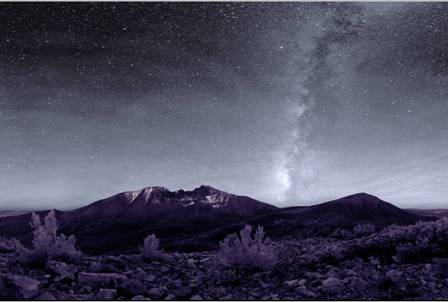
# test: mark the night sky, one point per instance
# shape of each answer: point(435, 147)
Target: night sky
point(289, 103)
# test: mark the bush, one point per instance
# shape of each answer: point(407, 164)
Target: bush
point(6, 245)
point(26, 256)
point(410, 243)
point(364, 229)
point(245, 252)
point(341, 234)
point(151, 249)
point(46, 242)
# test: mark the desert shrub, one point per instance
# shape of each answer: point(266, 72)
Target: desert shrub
point(151, 249)
point(340, 233)
point(424, 240)
point(364, 229)
point(245, 252)
point(402, 244)
point(46, 242)
point(26, 256)
point(6, 245)
point(407, 243)
point(415, 251)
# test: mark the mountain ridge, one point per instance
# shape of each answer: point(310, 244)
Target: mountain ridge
point(151, 200)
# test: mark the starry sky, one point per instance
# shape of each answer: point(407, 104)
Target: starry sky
point(289, 103)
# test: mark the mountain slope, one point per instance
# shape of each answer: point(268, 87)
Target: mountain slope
point(153, 201)
point(122, 221)
point(324, 218)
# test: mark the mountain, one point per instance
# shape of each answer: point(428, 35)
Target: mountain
point(123, 220)
point(151, 202)
point(430, 212)
point(322, 219)
point(11, 213)
point(199, 219)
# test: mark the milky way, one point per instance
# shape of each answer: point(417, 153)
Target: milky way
point(289, 103)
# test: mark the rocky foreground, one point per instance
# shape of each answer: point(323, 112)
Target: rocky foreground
point(307, 269)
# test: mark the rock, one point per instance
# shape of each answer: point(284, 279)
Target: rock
point(195, 282)
point(394, 275)
point(133, 287)
point(310, 275)
point(292, 283)
point(63, 271)
point(182, 292)
point(101, 279)
point(9, 291)
point(130, 273)
point(164, 269)
point(308, 294)
point(374, 260)
point(61, 296)
point(95, 267)
point(2, 284)
point(440, 267)
point(28, 287)
point(139, 298)
point(106, 294)
point(86, 289)
point(350, 272)
point(150, 278)
point(196, 298)
point(332, 285)
point(141, 275)
point(155, 293)
point(170, 297)
point(359, 285)
point(46, 296)
point(79, 297)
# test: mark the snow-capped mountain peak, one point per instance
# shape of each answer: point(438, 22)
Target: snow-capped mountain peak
point(152, 201)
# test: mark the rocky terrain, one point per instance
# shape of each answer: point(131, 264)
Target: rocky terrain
point(194, 276)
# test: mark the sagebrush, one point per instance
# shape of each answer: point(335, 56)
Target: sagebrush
point(46, 242)
point(151, 249)
point(245, 252)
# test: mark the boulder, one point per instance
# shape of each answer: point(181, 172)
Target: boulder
point(359, 285)
point(79, 297)
point(182, 292)
point(332, 285)
point(62, 270)
point(291, 283)
point(191, 261)
point(106, 294)
point(156, 293)
point(101, 279)
point(164, 269)
point(28, 287)
point(440, 267)
point(307, 293)
point(394, 275)
point(8, 291)
point(133, 287)
point(196, 298)
point(46, 296)
point(139, 298)
point(140, 274)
